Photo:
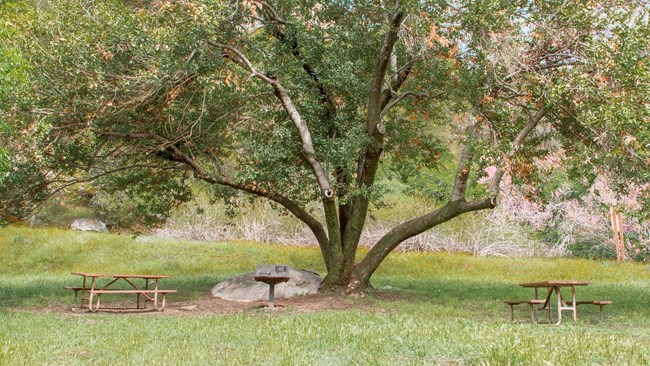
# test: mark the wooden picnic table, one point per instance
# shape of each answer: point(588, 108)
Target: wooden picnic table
point(556, 286)
point(91, 289)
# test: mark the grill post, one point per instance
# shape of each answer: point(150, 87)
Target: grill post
point(271, 295)
point(272, 274)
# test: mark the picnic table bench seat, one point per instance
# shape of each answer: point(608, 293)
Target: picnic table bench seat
point(138, 291)
point(594, 302)
point(112, 291)
point(531, 304)
point(75, 289)
point(600, 304)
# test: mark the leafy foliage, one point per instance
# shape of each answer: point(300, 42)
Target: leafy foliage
point(301, 101)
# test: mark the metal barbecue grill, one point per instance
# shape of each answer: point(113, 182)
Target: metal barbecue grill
point(272, 274)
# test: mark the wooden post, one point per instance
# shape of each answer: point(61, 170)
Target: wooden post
point(612, 218)
point(619, 239)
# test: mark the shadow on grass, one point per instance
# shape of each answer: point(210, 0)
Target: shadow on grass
point(40, 291)
point(477, 295)
point(463, 297)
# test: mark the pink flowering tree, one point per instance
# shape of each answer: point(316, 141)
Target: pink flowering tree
point(577, 219)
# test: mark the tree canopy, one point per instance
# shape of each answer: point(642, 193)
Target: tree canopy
point(303, 101)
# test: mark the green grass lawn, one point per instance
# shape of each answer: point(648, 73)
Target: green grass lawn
point(452, 312)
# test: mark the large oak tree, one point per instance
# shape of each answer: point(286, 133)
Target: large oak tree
point(302, 101)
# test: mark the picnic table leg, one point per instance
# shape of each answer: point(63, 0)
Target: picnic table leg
point(573, 302)
point(155, 295)
point(75, 296)
point(92, 287)
point(164, 296)
point(536, 307)
point(601, 312)
point(99, 296)
point(559, 304)
point(146, 287)
point(90, 302)
point(533, 313)
point(83, 292)
point(547, 301)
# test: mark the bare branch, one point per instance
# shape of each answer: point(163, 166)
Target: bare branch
point(517, 142)
point(242, 60)
point(271, 11)
point(402, 96)
point(274, 23)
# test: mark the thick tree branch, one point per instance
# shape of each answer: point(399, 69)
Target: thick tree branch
point(413, 227)
point(218, 178)
point(456, 206)
point(404, 95)
point(305, 136)
point(462, 173)
point(285, 202)
point(274, 22)
point(516, 144)
point(369, 161)
point(333, 251)
point(314, 225)
point(376, 103)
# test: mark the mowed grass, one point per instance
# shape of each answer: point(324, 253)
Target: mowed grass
point(451, 312)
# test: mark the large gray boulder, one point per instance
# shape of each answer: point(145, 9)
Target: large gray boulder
point(245, 288)
point(89, 225)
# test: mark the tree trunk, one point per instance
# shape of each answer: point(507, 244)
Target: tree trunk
point(354, 277)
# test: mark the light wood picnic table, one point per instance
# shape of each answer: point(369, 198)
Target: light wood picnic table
point(556, 286)
point(149, 291)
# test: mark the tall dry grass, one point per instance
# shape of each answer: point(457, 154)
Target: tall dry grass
point(482, 234)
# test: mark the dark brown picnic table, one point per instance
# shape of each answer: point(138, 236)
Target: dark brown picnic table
point(145, 286)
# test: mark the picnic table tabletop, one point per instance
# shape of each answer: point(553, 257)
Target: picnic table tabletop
point(552, 283)
point(117, 275)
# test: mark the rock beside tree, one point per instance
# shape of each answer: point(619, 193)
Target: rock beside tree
point(245, 288)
